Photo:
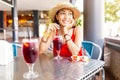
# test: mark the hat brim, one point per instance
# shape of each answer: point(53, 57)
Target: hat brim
point(53, 11)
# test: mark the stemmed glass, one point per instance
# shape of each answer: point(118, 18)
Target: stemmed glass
point(30, 54)
point(57, 45)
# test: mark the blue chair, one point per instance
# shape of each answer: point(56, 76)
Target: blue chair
point(15, 48)
point(89, 46)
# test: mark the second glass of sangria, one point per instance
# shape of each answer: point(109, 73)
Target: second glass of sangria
point(57, 45)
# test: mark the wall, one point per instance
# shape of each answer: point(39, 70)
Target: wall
point(112, 56)
point(115, 63)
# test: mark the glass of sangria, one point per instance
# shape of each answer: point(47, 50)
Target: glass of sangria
point(30, 54)
point(57, 45)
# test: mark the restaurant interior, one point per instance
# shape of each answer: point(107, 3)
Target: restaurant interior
point(19, 15)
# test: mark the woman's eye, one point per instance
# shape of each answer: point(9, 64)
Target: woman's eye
point(70, 13)
point(66, 13)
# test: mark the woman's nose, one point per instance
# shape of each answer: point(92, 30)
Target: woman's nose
point(66, 15)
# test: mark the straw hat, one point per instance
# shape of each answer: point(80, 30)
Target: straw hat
point(62, 5)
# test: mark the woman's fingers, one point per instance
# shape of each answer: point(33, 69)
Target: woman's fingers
point(57, 26)
point(71, 24)
point(52, 27)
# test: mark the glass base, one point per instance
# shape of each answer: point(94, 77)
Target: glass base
point(58, 58)
point(30, 75)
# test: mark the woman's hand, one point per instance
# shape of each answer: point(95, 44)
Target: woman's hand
point(69, 26)
point(52, 27)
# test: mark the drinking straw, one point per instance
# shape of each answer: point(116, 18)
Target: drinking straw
point(58, 31)
point(28, 32)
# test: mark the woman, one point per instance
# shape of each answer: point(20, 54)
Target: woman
point(63, 16)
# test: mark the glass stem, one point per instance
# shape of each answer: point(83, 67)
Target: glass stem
point(58, 53)
point(30, 67)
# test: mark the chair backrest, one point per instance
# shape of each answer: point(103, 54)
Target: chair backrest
point(90, 46)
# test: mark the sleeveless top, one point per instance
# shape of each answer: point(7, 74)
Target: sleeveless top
point(65, 51)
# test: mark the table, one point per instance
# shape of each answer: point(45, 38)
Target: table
point(50, 69)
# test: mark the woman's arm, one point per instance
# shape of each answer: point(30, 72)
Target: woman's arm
point(48, 37)
point(45, 43)
point(74, 47)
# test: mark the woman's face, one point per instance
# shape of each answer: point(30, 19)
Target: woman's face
point(65, 17)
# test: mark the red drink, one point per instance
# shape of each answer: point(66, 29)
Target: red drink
point(57, 44)
point(30, 52)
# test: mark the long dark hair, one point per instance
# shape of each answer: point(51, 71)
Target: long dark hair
point(55, 20)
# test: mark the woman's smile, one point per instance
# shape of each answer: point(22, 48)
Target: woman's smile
point(66, 22)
